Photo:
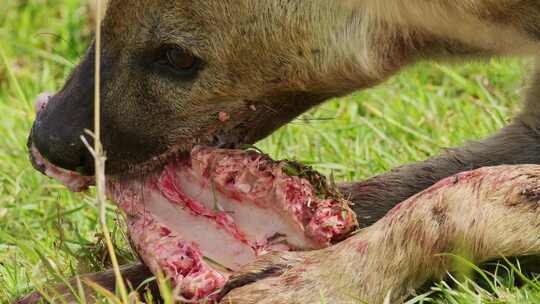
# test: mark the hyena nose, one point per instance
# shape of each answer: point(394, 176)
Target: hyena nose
point(41, 101)
point(56, 134)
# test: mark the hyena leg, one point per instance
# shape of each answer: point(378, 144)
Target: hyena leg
point(474, 27)
point(518, 143)
point(482, 214)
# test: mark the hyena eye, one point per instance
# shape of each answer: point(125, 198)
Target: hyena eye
point(178, 60)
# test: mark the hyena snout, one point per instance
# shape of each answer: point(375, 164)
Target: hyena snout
point(56, 134)
point(63, 118)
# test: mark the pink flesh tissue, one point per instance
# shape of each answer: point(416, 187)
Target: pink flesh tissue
point(199, 219)
point(73, 180)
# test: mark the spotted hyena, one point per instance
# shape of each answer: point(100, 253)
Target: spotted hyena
point(229, 72)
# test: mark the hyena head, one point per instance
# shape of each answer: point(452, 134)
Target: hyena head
point(175, 73)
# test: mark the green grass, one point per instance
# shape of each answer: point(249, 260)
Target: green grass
point(48, 233)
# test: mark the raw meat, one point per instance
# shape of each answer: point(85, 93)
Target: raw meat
point(202, 218)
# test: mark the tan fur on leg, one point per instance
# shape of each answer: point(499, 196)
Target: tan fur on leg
point(487, 213)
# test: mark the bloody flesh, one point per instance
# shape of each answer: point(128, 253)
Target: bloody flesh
point(203, 217)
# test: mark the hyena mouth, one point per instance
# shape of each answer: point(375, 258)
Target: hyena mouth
point(202, 216)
